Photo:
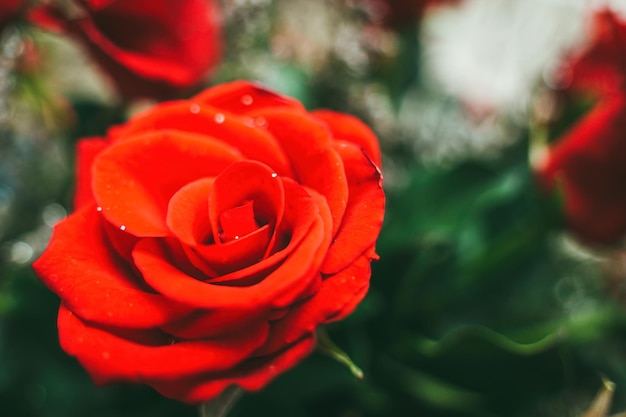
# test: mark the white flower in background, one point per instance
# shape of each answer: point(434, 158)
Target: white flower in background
point(491, 53)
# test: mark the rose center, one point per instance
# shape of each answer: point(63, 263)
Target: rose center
point(237, 222)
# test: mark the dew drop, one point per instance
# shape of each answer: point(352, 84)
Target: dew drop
point(219, 118)
point(236, 237)
point(194, 108)
point(260, 121)
point(274, 175)
point(99, 208)
point(249, 122)
point(122, 228)
point(247, 100)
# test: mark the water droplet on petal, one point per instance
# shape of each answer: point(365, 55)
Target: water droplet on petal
point(194, 108)
point(219, 118)
point(122, 227)
point(274, 175)
point(236, 237)
point(247, 100)
point(249, 122)
point(260, 121)
point(99, 208)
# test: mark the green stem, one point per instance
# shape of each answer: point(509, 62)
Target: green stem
point(221, 405)
point(328, 347)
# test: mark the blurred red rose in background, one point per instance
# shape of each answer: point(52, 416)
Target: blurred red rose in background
point(211, 238)
point(8, 10)
point(150, 48)
point(600, 67)
point(588, 164)
point(401, 12)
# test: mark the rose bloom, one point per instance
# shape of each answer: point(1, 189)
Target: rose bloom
point(588, 164)
point(8, 10)
point(600, 66)
point(148, 47)
point(211, 237)
point(401, 12)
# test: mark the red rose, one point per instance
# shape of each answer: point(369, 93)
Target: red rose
point(149, 47)
point(8, 10)
point(211, 238)
point(401, 12)
point(600, 67)
point(589, 164)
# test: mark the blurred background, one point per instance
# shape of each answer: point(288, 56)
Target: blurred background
point(491, 296)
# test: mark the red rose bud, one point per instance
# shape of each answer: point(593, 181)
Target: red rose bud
point(589, 166)
point(150, 48)
point(211, 238)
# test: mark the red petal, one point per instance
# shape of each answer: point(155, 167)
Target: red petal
point(192, 116)
point(365, 211)
point(81, 269)
point(304, 217)
point(135, 179)
point(243, 181)
point(242, 97)
point(150, 355)
point(237, 222)
point(214, 323)
point(338, 295)
point(86, 152)
point(188, 212)
point(589, 162)
point(315, 163)
point(350, 129)
point(150, 39)
point(251, 375)
point(236, 254)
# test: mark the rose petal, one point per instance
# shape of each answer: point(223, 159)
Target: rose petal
point(252, 375)
point(109, 357)
point(79, 266)
point(589, 162)
point(242, 97)
point(337, 296)
point(188, 212)
point(214, 323)
point(129, 181)
point(345, 127)
point(191, 116)
point(243, 181)
point(144, 46)
point(301, 260)
point(236, 254)
point(364, 213)
point(307, 143)
point(86, 152)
